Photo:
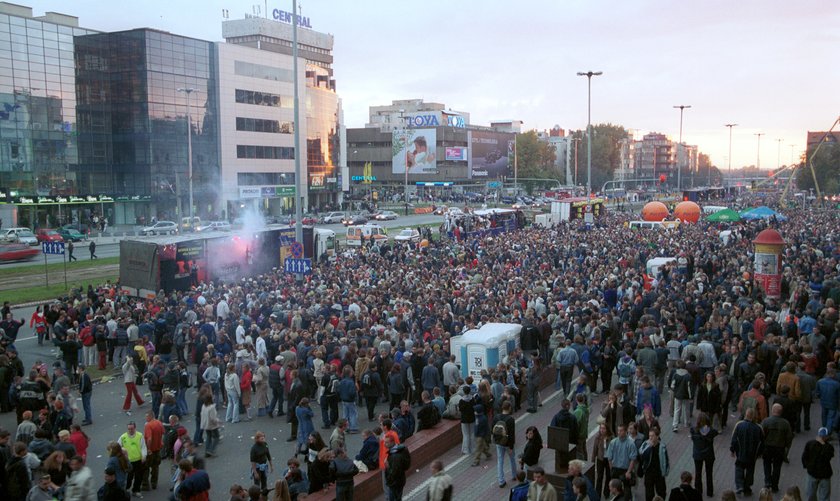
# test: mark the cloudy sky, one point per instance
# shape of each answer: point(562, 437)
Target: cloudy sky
point(768, 65)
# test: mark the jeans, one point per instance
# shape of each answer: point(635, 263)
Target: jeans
point(217, 393)
point(829, 419)
point(744, 473)
point(681, 409)
point(501, 450)
point(181, 399)
point(805, 419)
point(350, 414)
point(371, 406)
point(709, 463)
point(564, 378)
point(654, 484)
point(211, 440)
point(467, 438)
point(772, 457)
point(119, 356)
point(232, 414)
point(89, 355)
point(276, 401)
point(86, 407)
point(152, 469)
point(395, 492)
point(817, 489)
point(157, 396)
point(602, 482)
point(329, 410)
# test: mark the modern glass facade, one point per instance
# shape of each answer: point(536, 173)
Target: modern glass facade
point(322, 139)
point(133, 122)
point(38, 147)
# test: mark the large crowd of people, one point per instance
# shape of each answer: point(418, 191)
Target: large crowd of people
point(697, 342)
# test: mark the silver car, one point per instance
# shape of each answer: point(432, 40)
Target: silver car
point(19, 235)
point(161, 228)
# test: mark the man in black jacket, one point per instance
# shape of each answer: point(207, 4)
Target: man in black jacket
point(398, 462)
point(816, 459)
point(342, 469)
point(17, 482)
point(428, 415)
point(565, 419)
point(685, 492)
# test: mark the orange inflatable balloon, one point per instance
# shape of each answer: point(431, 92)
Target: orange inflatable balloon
point(654, 211)
point(687, 212)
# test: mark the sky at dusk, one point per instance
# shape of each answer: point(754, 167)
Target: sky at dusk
point(768, 65)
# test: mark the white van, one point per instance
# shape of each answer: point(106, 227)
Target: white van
point(369, 231)
point(654, 225)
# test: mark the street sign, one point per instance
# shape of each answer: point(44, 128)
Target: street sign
point(494, 184)
point(52, 248)
point(303, 266)
point(297, 250)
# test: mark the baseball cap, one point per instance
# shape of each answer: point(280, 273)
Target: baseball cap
point(822, 432)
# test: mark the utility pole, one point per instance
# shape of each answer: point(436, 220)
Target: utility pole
point(298, 180)
point(575, 180)
point(758, 154)
point(589, 75)
point(682, 108)
point(779, 153)
point(730, 147)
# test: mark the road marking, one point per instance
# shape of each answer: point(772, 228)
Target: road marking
point(420, 488)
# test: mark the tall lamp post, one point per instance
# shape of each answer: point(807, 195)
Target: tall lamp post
point(405, 157)
point(589, 75)
point(682, 108)
point(298, 180)
point(758, 154)
point(188, 91)
point(779, 153)
point(574, 181)
point(729, 168)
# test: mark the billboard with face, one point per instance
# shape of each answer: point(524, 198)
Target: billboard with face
point(415, 149)
point(490, 153)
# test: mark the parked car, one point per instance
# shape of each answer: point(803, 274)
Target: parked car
point(215, 226)
point(71, 234)
point(386, 215)
point(307, 219)
point(160, 228)
point(19, 235)
point(333, 217)
point(354, 219)
point(17, 252)
point(441, 210)
point(48, 235)
point(408, 235)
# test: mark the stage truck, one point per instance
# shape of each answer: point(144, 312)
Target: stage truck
point(180, 262)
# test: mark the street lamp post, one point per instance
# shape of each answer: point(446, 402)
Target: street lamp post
point(298, 180)
point(188, 91)
point(405, 157)
point(758, 154)
point(577, 141)
point(730, 147)
point(779, 153)
point(682, 108)
point(589, 75)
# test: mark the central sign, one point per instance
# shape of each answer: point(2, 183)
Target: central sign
point(287, 17)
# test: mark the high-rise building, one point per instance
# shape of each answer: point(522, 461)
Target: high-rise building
point(38, 148)
point(133, 123)
point(256, 96)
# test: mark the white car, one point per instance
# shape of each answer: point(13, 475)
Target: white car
point(215, 226)
point(19, 235)
point(407, 235)
point(333, 217)
point(386, 215)
point(160, 228)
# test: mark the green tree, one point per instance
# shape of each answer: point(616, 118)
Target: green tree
point(606, 153)
point(535, 159)
point(826, 168)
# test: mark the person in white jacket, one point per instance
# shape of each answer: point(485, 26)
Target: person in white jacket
point(233, 393)
point(130, 377)
point(210, 424)
point(80, 486)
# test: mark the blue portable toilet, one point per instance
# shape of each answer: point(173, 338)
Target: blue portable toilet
point(484, 348)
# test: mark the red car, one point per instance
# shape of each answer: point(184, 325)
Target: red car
point(306, 220)
point(17, 252)
point(48, 235)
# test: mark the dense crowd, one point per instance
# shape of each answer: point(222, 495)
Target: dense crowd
point(696, 341)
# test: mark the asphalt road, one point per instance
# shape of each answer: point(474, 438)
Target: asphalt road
point(109, 246)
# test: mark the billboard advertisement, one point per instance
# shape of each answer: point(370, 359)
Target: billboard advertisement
point(456, 154)
point(415, 149)
point(491, 152)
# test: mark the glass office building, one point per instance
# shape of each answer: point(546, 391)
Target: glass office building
point(38, 142)
point(133, 123)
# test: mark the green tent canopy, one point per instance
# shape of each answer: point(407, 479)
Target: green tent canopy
point(724, 216)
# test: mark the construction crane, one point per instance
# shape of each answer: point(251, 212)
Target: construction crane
point(794, 168)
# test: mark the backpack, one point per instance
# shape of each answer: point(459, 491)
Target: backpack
point(333, 388)
point(366, 379)
point(625, 370)
point(520, 492)
point(749, 402)
point(500, 436)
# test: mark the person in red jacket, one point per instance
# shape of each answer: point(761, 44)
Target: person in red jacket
point(245, 386)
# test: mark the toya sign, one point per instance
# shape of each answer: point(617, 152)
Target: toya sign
point(435, 120)
point(286, 17)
